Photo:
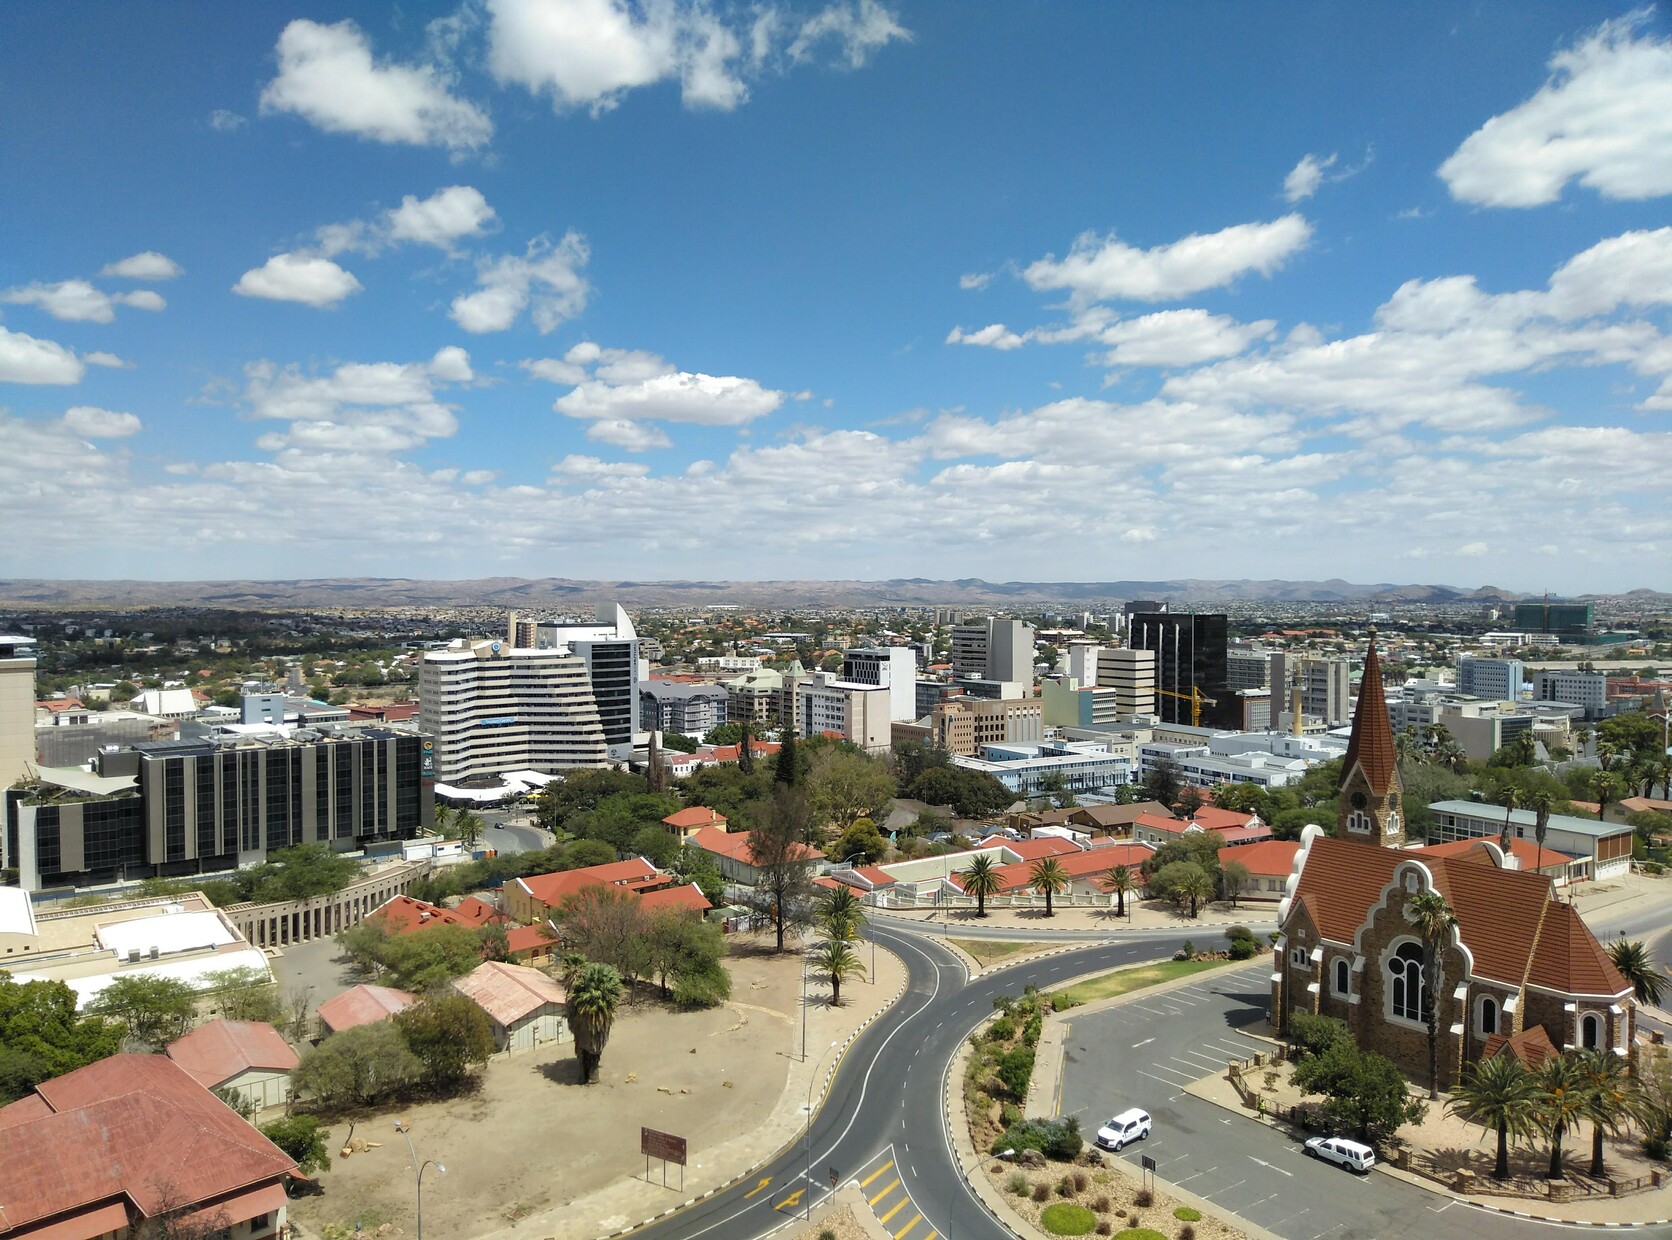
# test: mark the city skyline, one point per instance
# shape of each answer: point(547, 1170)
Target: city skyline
point(853, 291)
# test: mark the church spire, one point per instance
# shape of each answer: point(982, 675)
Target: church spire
point(1370, 787)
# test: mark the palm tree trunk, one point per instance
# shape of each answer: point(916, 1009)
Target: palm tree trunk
point(980, 902)
point(1048, 910)
point(1120, 904)
point(1596, 1150)
point(1555, 1171)
point(1500, 1169)
point(835, 989)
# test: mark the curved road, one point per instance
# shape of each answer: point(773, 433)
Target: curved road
point(886, 1104)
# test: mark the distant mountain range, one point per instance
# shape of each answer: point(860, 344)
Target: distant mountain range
point(554, 592)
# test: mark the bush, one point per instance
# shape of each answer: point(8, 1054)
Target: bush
point(1067, 1219)
point(1101, 1205)
point(1187, 1232)
point(1081, 1179)
point(1143, 1199)
point(827, 1234)
point(1058, 1139)
point(1015, 1069)
point(1065, 1187)
point(1239, 934)
point(1139, 1233)
point(1243, 949)
point(1001, 1030)
point(1041, 1192)
point(1009, 1114)
point(1031, 1030)
point(1017, 1184)
point(1187, 952)
point(1653, 868)
point(1655, 1147)
point(1188, 1214)
point(1103, 1228)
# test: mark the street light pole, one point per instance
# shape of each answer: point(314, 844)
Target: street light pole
point(804, 1004)
point(420, 1168)
point(807, 1137)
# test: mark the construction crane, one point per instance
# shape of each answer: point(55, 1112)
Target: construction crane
point(1197, 700)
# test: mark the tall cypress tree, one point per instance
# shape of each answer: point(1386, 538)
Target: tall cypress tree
point(785, 771)
point(745, 754)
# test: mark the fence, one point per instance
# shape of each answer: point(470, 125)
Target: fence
point(300, 921)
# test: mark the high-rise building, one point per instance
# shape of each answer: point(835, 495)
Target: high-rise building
point(994, 649)
point(1572, 620)
point(1190, 655)
point(1131, 674)
point(1500, 680)
point(690, 710)
point(1326, 688)
point(493, 708)
point(888, 667)
point(1248, 669)
point(17, 708)
point(1587, 689)
point(610, 649)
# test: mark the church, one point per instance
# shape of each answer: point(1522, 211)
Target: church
point(1519, 969)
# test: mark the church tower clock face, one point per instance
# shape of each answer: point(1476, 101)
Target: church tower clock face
point(1359, 800)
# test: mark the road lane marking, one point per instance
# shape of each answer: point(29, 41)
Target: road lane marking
point(892, 1185)
point(915, 1220)
point(1145, 1042)
point(765, 1180)
point(1271, 1166)
point(793, 1200)
point(866, 1182)
point(904, 1202)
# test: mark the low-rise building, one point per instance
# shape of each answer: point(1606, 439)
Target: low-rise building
point(537, 897)
point(244, 1059)
point(1267, 865)
point(736, 860)
point(524, 1006)
point(1073, 766)
point(691, 710)
point(364, 1004)
point(693, 818)
point(1600, 849)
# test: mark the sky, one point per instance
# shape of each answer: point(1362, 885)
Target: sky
point(857, 290)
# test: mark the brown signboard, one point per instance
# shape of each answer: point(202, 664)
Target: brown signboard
point(663, 1145)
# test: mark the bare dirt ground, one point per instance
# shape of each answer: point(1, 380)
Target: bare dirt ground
point(532, 1138)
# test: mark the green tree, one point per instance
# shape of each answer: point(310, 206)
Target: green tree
point(154, 1010)
point(1190, 800)
point(657, 845)
point(364, 943)
point(1186, 883)
point(841, 914)
point(844, 787)
point(692, 865)
point(357, 1066)
point(244, 994)
point(837, 959)
point(301, 872)
point(594, 995)
point(1435, 922)
point(304, 1139)
point(423, 959)
point(1161, 782)
point(1118, 880)
point(683, 949)
point(862, 842)
point(1646, 979)
point(786, 767)
point(467, 825)
point(449, 1035)
point(782, 860)
point(607, 925)
point(981, 879)
point(1500, 1095)
point(1361, 1090)
point(42, 1037)
point(971, 794)
point(1510, 799)
point(1015, 1070)
point(1613, 1100)
point(1563, 1101)
point(724, 734)
point(1233, 875)
point(1047, 877)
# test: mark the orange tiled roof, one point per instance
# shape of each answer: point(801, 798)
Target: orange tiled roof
point(1080, 864)
point(552, 889)
point(689, 896)
point(695, 816)
point(477, 912)
point(1531, 1046)
point(735, 844)
point(1370, 744)
point(363, 1005)
point(220, 1050)
point(403, 914)
point(1264, 858)
point(1033, 848)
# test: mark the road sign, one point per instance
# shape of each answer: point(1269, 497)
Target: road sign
point(1146, 1162)
point(663, 1145)
point(834, 1177)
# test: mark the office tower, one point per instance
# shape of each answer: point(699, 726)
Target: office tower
point(994, 649)
point(1500, 680)
point(1326, 689)
point(610, 649)
point(1569, 620)
point(889, 667)
point(969, 650)
point(17, 708)
point(1190, 654)
point(1131, 674)
point(1248, 669)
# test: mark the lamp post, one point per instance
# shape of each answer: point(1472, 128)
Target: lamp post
point(419, 1168)
point(807, 1137)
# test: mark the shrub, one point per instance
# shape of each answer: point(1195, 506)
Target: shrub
point(1188, 1214)
point(1017, 1184)
point(1653, 868)
point(1655, 1147)
point(827, 1234)
point(1015, 1068)
point(1187, 952)
point(1081, 1179)
point(1101, 1205)
point(1143, 1199)
point(1139, 1233)
point(1239, 933)
point(1187, 1232)
point(1067, 1219)
point(1031, 1030)
point(1243, 949)
point(1001, 1030)
point(1041, 1191)
point(1058, 1139)
point(1065, 1187)
point(1103, 1228)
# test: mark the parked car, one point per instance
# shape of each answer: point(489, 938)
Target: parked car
point(1127, 1127)
point(1353, 1155)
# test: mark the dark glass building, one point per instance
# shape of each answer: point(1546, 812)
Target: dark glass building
point(1191, 650)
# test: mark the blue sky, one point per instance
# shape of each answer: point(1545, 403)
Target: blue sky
point(857, 290)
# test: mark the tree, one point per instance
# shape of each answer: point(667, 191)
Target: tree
point(1117, 880)
point(1541, 801)
point(1510, 799)
point(1185, 883)
point(467, 825)
point(1361, 1089)
point(42, 1037)
point(1500, 1095)
point(693, 865)
point(745, 747)
point(1435, 922)
point(363, 943)
point(682, 948)
point(608, 925)
point(300, 873)
point(657, 845)
point(155, 1010)
point(971, 794)
point(358, 1065)
point(982, 879)
point(1161, 782)
point(1233, 875)
point(680, 743)
point(244, 994)
point(1613, 1100)
point(844, 787)
point(1647, 980)
point(1605, 787)
point(423, 959)
point(838, 959)
point(782, 861)
point(786, 768)
point(449, 1035)
point(841, 914)
point(594, 994)
point(1047, 877)
point(724, 734)
point(1562, 1104)
point(304, 1139)
point(1190, 800)
point(862, 842)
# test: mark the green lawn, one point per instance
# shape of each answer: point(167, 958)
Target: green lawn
point(1123, 981)
point(988, 950)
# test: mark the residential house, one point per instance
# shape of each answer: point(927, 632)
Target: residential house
point(535, 898)
point(364, 1004)
point(245, 1059)
point(735, 859)
point(693, 818)
point(525, 1007)
point(1233, 829)
point(1268, 864)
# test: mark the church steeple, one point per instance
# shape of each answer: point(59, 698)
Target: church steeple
point(1369, 808)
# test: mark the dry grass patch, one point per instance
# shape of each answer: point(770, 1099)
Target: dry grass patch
point(987, 951)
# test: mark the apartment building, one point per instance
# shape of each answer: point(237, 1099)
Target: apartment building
point(856, 712)
point(1497, 680)
point(692, 710)
point(1326, 689)
point(890, 667)
point(1587, 689)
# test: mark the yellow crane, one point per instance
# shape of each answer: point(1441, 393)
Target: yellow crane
point(1197, 700)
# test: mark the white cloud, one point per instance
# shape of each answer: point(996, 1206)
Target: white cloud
point(442, 218)
point(24, 359)
point(78, 301)
point(1179, 338)
point(993, 336)
point(858, 28)
point(226, 122)
point(546, 281)
point(1139, 534)
point(710, 400)
point(295, 277)
point(1473, 550)
point(146, 265)
point(585, 467)
point(1306, 176)
point(1603, 117)
point(105, 359)
point(625, 433)
point(975, 280)
point(451, 364)
point(1103, 268)
point(327, 76)
point(555, 370)
point(366, 408)
point(95, 423)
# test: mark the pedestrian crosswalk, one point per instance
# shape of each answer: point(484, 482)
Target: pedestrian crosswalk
point(891, 1202)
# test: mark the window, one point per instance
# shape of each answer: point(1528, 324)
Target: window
point(1487, 1023)
point(1405, 985)
point(1590, 1031)
point(1358, 823)
point(1343, 978)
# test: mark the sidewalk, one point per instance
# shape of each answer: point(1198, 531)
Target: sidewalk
point(631, 1202)
point(1085, 920)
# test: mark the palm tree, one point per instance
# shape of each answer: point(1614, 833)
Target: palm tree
point(1541, 802)
point(1435, 921)
point(1612, 1098)
point(1498, 1093)
point(1511, 803)
point(1119, 881)
point(841, 914)
point(468, 825)
point(1196, 885)
point(981, 880)
point(838, 959)
point(594, 994)
point(1047, 877)
point(1605, 786)
point(1562, 1104)
point(1647, 980)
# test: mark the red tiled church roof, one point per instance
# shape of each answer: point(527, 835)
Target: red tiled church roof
point(1371, 741)
point(1531, 1046)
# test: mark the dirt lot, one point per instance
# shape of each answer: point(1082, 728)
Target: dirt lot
point(531, 1138)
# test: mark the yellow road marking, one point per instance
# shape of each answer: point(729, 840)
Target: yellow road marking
point(904, 1202)
point(866, 1182)
point(765, 1180)
point(894, 1185)
point(915, 1220)
point(794, 1199)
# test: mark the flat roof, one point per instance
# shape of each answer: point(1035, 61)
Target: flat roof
point(1527, 818)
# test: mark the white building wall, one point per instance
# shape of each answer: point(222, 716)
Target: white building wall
point(17, 708)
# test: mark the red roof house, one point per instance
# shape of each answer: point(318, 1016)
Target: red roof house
point(361, 1005)
point(693, 818)
point(733, 856)
point(248, 1058)
point(535, 898)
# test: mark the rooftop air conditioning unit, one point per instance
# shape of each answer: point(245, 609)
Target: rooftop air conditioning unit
point(133, 955)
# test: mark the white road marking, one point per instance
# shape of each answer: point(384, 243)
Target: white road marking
point(1270, 1166)
point(1145, 1042)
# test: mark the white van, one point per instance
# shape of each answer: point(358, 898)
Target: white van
point(1349, 1154)
point(1125, 1128)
